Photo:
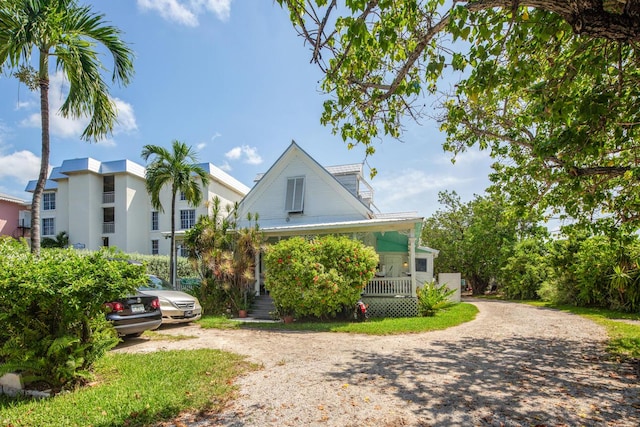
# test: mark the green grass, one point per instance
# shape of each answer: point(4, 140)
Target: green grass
point(159, 336)
point(624, 338)
point(218, 322)
point(136, 390)
point(451, 316)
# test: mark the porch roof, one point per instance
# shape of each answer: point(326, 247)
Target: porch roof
point(368, 225)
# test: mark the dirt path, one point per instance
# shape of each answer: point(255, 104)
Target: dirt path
point(515, 365)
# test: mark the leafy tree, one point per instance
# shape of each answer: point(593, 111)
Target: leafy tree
point(475, 238)
point(70, 33)
point(525, 270)
point(177, 169)
point(549, 86)
point(225, 255)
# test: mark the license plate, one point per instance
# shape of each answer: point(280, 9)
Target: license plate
point(188, 313)
point(137, 308)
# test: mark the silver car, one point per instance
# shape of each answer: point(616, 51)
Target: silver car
point(176, 306)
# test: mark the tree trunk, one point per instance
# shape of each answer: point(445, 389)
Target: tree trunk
point(172, 272)
point(44, 156)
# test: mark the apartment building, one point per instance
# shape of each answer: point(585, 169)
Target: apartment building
point(106, 204)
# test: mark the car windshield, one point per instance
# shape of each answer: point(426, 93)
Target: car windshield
point(156, 284)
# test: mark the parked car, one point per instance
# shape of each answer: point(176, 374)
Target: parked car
point(132, 315)
point(176, 306)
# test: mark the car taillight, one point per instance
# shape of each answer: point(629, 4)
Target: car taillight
point(155, 303)
point(114, 306)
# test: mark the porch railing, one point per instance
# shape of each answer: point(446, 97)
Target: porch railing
point(108, 197)
point(388, 286)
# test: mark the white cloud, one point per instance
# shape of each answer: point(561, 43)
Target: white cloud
point(73, 128)
point(21, 165)
point(216, 135)
point(126, 117)
point(201, 146)
point(414, 190)
point(186, 12)
point(245, 153)
point(234, 153)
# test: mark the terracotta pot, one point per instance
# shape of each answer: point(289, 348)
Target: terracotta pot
point(287, 319)
point(242, 313)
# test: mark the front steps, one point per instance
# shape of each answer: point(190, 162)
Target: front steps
point(262, 308)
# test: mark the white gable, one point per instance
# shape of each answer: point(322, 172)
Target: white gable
point(325, 199)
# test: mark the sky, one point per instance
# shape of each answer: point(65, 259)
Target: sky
point(233, 80)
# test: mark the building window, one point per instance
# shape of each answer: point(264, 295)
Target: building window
point(294, 202)
point(183, 196)
point(154, 221)
point(109, 220)
point(48, 226)
point(183, 251)
point(154, 247)
point(187, 218)
point(421, 264)
point(49, 201)
point(108, 189)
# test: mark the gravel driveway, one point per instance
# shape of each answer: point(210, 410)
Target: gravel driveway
point(515, 365)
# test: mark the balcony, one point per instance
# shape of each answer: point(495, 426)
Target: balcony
point(108, 197)
point(108, 227)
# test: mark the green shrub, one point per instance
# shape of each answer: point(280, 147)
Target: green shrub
point(432, 298)
point(525, 270)
point(51, 310)
point(319, 277)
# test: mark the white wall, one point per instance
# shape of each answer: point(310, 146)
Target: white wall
point(452, 281)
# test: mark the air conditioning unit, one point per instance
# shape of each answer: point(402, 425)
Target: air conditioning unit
point(24, 219)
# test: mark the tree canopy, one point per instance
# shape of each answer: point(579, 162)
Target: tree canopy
point(549, 86)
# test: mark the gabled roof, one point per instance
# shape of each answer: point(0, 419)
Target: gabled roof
point(339, 190)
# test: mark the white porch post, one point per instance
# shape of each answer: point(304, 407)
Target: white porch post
point(412, 260)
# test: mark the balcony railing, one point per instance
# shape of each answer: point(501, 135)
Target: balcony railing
point(389, 286)
point(108, 197)
point(108, 227)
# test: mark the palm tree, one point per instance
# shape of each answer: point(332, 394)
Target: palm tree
point(70, 32)
point(178, 169)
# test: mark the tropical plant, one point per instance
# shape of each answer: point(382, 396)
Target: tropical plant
point(70, 33)
point(525, 270)
point(225, 254)
point(432, 298)
point(61, 241)
point(178, 170)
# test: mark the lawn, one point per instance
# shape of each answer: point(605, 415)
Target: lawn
point(136, 390)
point(446, 318)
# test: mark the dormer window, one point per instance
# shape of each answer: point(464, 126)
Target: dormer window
point(294, 202)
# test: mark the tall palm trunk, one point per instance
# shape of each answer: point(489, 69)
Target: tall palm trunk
point(43, 76)
point(172, 265)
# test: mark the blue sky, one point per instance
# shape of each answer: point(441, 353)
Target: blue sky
point(233, 80)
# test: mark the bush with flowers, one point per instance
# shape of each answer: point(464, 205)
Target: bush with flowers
point(319, 277)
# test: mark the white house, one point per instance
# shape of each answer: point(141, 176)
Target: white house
point(106, 204)
point(299, 197)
